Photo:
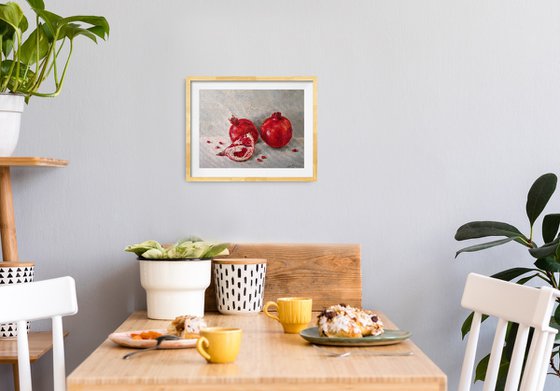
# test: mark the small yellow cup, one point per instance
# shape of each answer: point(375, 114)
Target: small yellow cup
point(219, 345)
point(294, 313)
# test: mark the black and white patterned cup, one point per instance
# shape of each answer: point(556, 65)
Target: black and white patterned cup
point(14, 273)
point(239, 285)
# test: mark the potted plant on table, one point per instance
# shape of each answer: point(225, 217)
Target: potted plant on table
point(28, 58)
point(175, 277)
point(545, 265)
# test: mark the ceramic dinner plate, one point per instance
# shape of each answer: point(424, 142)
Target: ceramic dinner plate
point(125, 339)
point(389, 337)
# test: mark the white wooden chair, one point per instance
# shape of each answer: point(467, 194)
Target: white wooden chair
point(510, 302)
point(39, 300)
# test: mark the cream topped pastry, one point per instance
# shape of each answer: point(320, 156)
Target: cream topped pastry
point(186, 326)
point(342, 320)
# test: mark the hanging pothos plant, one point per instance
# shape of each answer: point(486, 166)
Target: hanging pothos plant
point(545, 266)
point(28, 58)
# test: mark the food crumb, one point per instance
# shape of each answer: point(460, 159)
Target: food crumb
point(295, 150)
point(263, 157)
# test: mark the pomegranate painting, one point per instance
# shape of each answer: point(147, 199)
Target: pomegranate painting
point(250, 128)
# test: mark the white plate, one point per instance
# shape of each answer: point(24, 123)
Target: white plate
point(125, 339)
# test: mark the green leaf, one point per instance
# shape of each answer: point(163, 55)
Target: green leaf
point(12, 14)
point(523, 281)
point(72, 30)
point(52, 22)
point(39, 4)
point(140, 248)
point(550, 226)
point(483, 246)
point(557, 318)
point(481, 229)
point(545, 250)
point(510, 274)
point(550, 264)
point(29, 47)
point(539, 195)
point(215, 250)
point(99, 22)
point(155, 253)
point(7, 34)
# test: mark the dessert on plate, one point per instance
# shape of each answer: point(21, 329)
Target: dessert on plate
point(186, 326)
point(342, 320)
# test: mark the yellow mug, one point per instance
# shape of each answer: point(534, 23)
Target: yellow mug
point(294, 313)
point(219, 345)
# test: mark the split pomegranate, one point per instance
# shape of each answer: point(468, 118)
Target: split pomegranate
point(240, 127)
point(276, 130)
point(241, 149)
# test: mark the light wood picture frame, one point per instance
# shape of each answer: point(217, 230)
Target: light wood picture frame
point(213, 103)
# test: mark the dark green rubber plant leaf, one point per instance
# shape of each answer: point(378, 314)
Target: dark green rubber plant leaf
point(556, 319)
point(546, 250)
point(510, 274)
point(539, 195)
point(481, 229)
point(483, 246)
point(550, 226)
point(549, 264)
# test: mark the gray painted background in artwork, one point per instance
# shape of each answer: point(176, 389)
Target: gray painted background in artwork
point(218, 106)
point(431, 114)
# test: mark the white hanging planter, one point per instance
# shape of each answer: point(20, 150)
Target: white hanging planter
point(176, 287)
point(11, 107)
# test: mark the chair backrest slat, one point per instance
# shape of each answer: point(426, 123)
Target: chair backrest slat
point(53, 299)
point(509, 302)
point(514, 373)
point(495, 356)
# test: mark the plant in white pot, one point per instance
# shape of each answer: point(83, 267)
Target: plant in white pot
point(30, 57)
point(175, 277)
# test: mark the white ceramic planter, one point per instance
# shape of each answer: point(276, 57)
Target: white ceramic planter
point(175, 287)
point(11, 107)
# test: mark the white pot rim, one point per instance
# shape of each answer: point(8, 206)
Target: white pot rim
point(12, 102)
point(177, 260)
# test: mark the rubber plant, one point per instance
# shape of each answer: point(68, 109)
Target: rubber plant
point(28, 58)
point(544, 265)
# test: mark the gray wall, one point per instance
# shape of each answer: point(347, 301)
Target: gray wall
point(431, 114)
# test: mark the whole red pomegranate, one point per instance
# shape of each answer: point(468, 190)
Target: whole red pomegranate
point(276, 130)
point(241, 149)
point(240, 127)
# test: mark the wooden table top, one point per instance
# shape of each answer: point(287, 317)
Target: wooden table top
point(268, 359)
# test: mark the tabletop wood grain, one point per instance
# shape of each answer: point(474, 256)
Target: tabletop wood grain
point(268, 359)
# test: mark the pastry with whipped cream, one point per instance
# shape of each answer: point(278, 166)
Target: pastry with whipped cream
point(187, 326)
point(342, 320)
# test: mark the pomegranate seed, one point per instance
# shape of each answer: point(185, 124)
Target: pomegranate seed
point(208, 141)
point(295, 150)
point(221, 143)
point(217, 147)
point(259, 160)
point(263, 157)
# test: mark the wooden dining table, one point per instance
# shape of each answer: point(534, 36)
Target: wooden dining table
point(268, 360)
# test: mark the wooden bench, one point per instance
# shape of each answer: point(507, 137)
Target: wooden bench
point(328, 273)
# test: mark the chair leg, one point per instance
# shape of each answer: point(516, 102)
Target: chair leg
point(15, 375)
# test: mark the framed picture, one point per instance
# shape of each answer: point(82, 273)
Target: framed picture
point(251, 128)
